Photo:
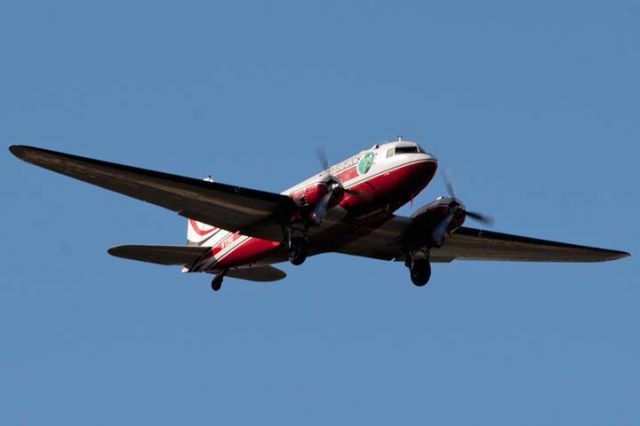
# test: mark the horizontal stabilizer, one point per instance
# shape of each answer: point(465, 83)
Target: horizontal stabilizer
point(186, 255)
point(257, 273)
point(163, 255)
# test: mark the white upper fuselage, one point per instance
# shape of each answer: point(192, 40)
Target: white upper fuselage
point(386, 157)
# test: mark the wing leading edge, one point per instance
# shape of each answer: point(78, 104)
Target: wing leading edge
point(248, 211)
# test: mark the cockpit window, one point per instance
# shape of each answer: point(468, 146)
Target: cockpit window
point(407, 149)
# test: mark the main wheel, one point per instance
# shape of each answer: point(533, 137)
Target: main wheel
point(216, 283)
point(420, 272)
point(298, 251)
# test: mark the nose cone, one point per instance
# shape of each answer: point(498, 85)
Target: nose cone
point(422, 171)
point(414, 176)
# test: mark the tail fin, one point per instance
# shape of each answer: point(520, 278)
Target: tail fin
point(198, 232)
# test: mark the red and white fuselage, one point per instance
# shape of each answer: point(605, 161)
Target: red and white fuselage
point(386, 177)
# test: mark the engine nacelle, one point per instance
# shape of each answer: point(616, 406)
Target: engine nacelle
point(428, 218)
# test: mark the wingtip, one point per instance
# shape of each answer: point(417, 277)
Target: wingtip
point(623, 254)
point(16, 150)
point(22, 151)
point(616, 255)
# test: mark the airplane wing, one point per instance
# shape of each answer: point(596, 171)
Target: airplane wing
point(249, 211)
point(185, 255)
point(475, 244)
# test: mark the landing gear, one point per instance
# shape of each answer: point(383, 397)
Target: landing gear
point(298, 249)
point(216, 283)
point(420, 272)
point(420, 269)
point(295, 241)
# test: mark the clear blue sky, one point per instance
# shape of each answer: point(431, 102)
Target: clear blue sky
point(535, 106)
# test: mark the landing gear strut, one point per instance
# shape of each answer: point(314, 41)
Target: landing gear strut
point(420, 270)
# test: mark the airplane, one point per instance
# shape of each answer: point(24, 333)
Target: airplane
point(346, 208)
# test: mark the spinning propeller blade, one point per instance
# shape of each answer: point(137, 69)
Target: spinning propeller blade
point(448, 182)
point(324, 160)
point(483, 218)
point(440, 230)
point(455, 208)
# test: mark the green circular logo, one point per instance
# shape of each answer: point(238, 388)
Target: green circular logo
point(365, 163)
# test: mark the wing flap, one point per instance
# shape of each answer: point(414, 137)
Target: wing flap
point(251, 212)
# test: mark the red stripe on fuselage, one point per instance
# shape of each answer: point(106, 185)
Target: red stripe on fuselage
point(201, 232)
point(347, 174)
point(249, 251)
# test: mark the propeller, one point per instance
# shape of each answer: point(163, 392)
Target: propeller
point(334, 186)
point(448, 181)
point(456, 208)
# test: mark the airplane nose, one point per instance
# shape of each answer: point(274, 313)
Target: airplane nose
point(425, 169)
point(417, 175)
point(429, 157)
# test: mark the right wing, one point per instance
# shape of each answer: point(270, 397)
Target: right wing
point(384, 243)
point(248, 211)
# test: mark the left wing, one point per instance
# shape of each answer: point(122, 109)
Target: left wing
point(248, 211)
point(477, 244)
point(384, 243)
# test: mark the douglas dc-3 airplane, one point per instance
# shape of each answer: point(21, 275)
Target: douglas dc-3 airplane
point(347, 208)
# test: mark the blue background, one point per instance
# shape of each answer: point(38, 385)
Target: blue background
point(534, 106)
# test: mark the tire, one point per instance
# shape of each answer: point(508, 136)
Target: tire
point(420, 272)
point(216, 283)
point(298, 251)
